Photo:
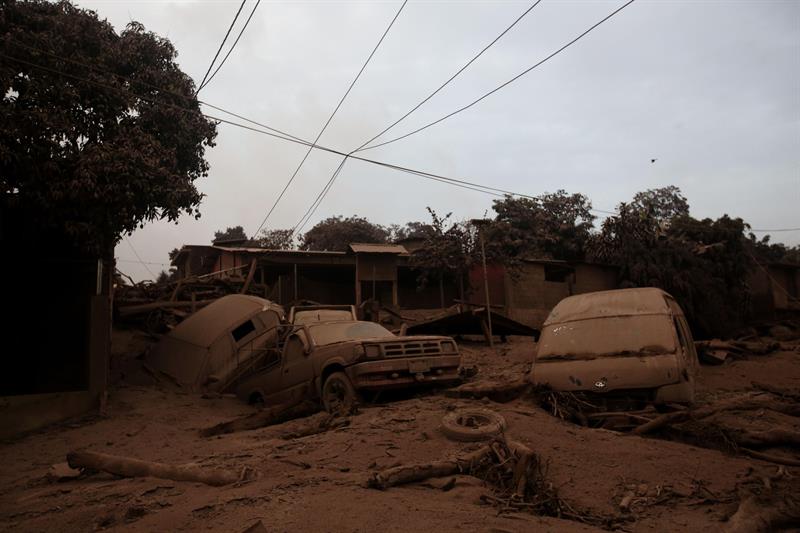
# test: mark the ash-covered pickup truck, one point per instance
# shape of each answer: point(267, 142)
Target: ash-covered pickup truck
point(334, 361)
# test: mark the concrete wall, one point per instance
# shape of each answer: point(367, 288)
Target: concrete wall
point(531, 296)
point(593, 278)
point(57, 331)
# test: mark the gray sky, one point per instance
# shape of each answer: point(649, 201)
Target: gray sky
point(711, 89)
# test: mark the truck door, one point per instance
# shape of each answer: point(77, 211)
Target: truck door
point(297, 372)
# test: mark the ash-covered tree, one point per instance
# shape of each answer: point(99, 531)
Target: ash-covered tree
point(336, 233)
point(99, 132)
point(411, 230)
point(448, 251)
point(663, 204)
point(769, 252)
point(552, 226)
point(276, 239)
point(235, 233)
point(702, 263)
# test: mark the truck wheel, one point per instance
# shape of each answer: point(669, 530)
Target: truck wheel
point(472, 424)
point(338, 393)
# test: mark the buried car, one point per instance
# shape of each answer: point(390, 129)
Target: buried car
point(631, 343)
point(218, 344)
point(335, 361)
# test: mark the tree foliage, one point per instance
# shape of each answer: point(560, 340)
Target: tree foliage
point(448, 249)
point(550, 226)
point(663, 204)
point(336, 233)
point(235, 233)
point(276, 239)
point(411, 230)
point(702, 263)
point(769, 252)
point(99, 132)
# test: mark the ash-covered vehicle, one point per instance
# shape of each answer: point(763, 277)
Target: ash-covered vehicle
point(629, 346)
point(336, 361)
point(305, 314)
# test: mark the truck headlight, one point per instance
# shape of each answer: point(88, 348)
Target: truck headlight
point(358, 351)
point(372, 350)
point(448, 346)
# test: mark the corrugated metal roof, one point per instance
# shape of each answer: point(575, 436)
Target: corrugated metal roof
point(276, 252)
point(367, 248)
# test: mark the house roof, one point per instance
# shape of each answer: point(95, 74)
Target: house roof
point(277, 252)
point(368, 248)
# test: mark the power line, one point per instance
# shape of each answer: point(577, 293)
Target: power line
point(515, 78)
point(232, 46)
point(364, 66)
point(493, 191)
point(321, 196)
point(454, 76)
point(287, 137)
point(362, 148)
point(140, 82)
point(139, 258)
point(227, 33)
point(318, 200)
point(279, 134)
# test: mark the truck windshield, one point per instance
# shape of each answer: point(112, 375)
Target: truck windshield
point(322, 315)
point(346, 331)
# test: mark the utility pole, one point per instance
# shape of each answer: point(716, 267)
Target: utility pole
point(480, 223)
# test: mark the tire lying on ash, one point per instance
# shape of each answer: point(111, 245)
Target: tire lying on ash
point(472, 424)
point(338, 393)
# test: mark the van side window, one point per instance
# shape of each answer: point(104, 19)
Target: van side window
point(241, 331)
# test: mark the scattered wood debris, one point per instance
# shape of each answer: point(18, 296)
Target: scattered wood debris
point(265, 417)
point(128, 467)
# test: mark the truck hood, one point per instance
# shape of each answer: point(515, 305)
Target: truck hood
point(606, 374)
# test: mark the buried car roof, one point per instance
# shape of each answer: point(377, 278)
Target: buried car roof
point(621, 302)
point(216, 319)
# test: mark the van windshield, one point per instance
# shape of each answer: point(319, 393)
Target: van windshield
point(608, 336)
point(346, 331)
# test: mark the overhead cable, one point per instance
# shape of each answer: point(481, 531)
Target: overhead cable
point(232, 47)
point(227, 33)
point(330, 118)
point(515, 78)
point(454, 76)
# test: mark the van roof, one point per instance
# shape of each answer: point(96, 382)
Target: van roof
point(218, 318)
point(621, 302)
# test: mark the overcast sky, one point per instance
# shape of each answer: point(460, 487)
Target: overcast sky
point(709, 89)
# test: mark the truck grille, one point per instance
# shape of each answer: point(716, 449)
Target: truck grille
point(399, 349)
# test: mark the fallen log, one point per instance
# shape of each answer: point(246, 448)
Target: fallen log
point(741, 403)
point(265, 417)
point(524, 460)
point(127, 467)
point(400, 475)
point(754, 516)
point(318, 423)
point(793, 394)
point(770, 458)
point(772, 437)
point(500, 391)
